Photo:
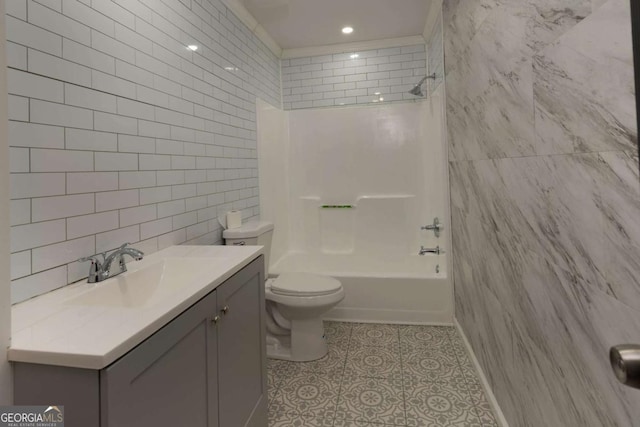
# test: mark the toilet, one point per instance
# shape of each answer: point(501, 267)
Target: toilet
point(295, 301)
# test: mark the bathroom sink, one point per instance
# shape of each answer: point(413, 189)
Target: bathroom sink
point(143, 286)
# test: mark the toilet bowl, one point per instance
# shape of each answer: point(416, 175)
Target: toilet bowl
point(301, 299)
point(295, 301)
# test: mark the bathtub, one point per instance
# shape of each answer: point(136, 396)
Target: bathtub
point(391, 289)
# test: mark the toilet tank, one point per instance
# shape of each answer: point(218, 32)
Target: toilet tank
point(251, 233)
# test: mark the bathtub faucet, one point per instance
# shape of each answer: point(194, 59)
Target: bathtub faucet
point(436, 227)
point(435, 250)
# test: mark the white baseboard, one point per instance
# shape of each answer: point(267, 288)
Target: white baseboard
point(502, 421)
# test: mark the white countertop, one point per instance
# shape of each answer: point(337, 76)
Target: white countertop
point(57, 328)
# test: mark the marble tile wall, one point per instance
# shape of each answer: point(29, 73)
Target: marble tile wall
point(545, 200)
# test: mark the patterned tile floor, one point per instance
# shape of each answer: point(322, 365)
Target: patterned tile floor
point(381, 375)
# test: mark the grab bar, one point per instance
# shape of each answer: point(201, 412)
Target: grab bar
point(337, 206)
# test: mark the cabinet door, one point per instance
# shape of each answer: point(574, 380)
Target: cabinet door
point(242, 349)
point(169, 379)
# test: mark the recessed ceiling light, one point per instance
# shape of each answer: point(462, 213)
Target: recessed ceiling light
point(376, 93)
point(381, 99)
point(354, 56)
point(193, 47)
point(347, 30)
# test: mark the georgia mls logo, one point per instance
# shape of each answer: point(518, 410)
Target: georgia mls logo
point(32, 416)
point(53, 408)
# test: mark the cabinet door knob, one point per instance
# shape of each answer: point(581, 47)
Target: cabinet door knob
point(215, 319)
point(225, 309)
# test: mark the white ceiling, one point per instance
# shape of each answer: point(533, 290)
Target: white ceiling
point(307, 23)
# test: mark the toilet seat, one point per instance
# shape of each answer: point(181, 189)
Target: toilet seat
point(304, 285)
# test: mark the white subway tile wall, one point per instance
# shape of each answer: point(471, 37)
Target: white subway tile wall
point(120, 133)
point(361, 77)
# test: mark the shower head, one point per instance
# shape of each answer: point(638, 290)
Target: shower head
point(417, 89)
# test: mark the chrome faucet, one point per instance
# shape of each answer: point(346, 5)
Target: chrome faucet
point(435, 250)
point(100, 271)
point(436, 227)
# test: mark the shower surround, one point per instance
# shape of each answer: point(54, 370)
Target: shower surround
point(386, 162)
point(545, 202)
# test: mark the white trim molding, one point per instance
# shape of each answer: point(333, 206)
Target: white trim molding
point(502, 421)
point(263, 35)
point(241, 12)
point(351, 47)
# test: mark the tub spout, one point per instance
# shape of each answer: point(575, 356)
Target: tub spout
point(435, 250)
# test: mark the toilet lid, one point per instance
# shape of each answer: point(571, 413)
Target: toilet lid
point(304, 284)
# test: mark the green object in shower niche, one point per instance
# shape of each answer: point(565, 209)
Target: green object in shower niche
point(337, 206)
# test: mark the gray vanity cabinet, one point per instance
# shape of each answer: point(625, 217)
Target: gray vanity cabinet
point(205, 368)
point(242, 387)
point(169, 379)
